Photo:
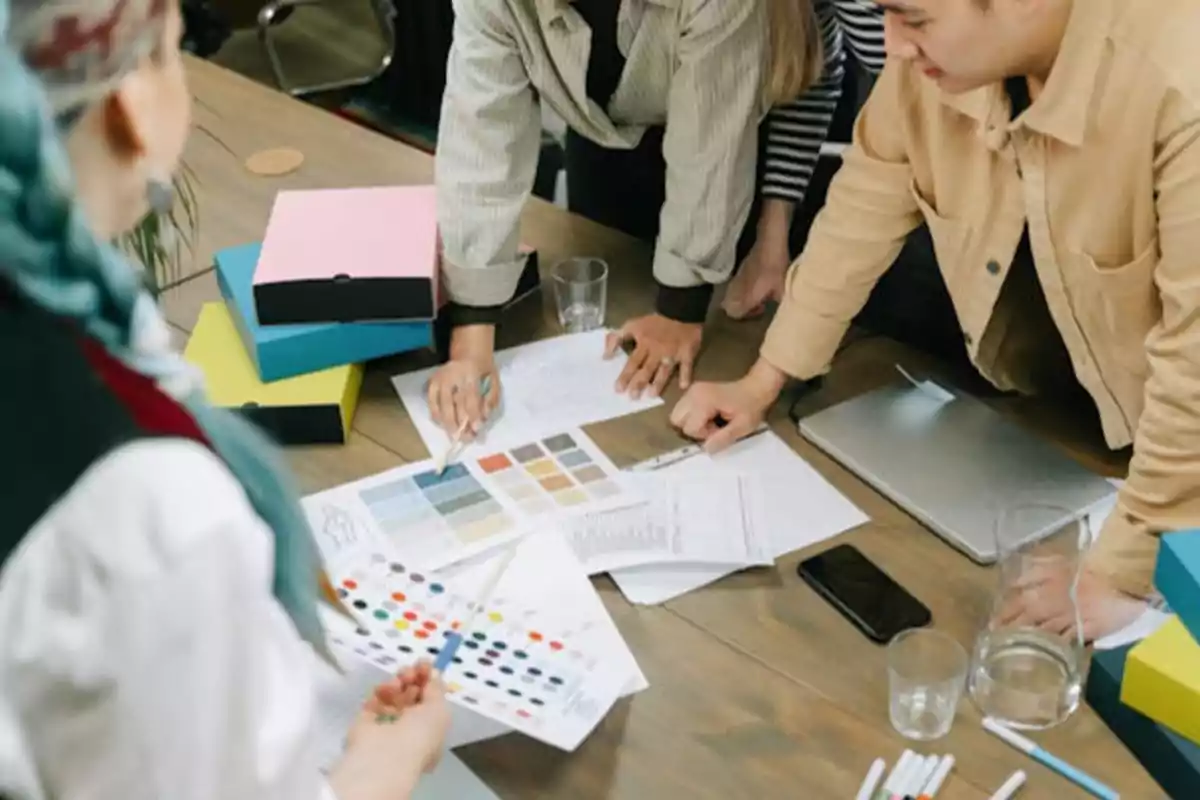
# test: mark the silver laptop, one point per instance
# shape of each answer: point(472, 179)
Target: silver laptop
point(953, 463)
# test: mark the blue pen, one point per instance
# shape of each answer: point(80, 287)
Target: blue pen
point(1073, 774)
point(454, 638)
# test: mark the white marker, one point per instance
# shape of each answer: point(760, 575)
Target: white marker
point(867, 790)
point(939, 776)
point(921, 776)
point(891, 785)
point(1015, 781)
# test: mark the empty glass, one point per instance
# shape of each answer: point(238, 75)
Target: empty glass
point(581, 293)
point(926, 673)
point(1025, 672)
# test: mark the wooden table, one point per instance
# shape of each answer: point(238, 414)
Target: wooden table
point(758, 688)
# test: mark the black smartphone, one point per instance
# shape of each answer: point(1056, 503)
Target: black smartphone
point(863, 593)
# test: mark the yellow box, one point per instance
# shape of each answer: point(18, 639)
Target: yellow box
point(317, 408)
point(1162, 679)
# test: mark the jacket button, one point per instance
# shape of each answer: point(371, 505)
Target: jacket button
point(993, 267)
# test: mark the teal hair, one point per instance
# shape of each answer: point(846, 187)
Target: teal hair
point(50, 255)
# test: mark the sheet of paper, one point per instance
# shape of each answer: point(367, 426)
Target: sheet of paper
point(713, 518)
point(548, 386)
point(473, 507)
point(411, 511)
point(800, 509)
point(341, 694)
point(551, 673)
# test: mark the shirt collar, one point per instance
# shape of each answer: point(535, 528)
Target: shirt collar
point(1061, 109)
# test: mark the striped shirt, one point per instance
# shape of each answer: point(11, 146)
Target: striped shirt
point(796, 131)
point(698, 63)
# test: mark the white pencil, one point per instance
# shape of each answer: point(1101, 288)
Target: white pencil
point(867, 790)
point(455, 637)
point(1010, 787)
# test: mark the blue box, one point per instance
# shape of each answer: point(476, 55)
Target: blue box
point(284, 351)
point(1171, 760)
point(1177, 577)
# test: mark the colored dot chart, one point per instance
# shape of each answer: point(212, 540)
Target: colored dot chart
point(550, 684)
point(471, 507)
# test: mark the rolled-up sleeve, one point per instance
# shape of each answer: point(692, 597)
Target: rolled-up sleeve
point(1162, 492)
point(488, 142)
point(868, 215)
point(710, 146)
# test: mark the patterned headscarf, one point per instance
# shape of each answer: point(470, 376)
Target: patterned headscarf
point(57, 58)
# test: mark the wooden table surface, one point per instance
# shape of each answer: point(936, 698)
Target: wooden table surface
point(758, 688)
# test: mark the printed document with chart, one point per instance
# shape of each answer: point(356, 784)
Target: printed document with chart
point(547, 386)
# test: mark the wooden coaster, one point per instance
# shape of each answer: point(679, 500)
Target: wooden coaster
point(274, 162)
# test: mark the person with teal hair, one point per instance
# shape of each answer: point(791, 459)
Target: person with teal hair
point(158, 578)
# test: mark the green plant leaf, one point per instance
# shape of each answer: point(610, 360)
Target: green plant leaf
point(161, 243)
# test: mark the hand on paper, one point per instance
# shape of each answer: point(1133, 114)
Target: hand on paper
point(1042, 601)
point(718, 414)
point(660, 346)
point(759, 280)
point(399, 735)
point(453, 395)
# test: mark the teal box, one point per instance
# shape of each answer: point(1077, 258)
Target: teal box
point(1171, 760)
point(284, 351)
point(1177, 577)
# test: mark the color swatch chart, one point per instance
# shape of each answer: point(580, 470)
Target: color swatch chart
point(563, 473)
point(423, 517)
point(551, 684)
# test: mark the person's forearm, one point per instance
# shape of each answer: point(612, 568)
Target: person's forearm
point(766, 381)
point(469, 341)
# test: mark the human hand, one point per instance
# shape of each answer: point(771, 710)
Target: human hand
point(759, 280)
point(1042, 600)
point(399, 734)
point(660, 345)
point(718, 414)
point(454, 394)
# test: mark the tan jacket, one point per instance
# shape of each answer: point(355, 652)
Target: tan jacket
point(697, 63)
point(1104, 167)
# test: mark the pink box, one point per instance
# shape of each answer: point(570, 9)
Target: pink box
point(349, 255)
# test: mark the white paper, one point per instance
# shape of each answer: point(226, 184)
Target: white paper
point(1145, 625)
point(340, 695)
point(715, 518)
point(800, 509)
point(547, 386)
point(475, 506)
point(550, 667)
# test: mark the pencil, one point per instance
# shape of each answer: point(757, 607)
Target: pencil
point(485, 388)
point(1029, 748)
point(454, 637)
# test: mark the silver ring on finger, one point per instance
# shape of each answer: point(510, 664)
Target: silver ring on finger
point(667, 362)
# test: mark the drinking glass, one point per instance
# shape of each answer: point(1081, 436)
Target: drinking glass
point(581, 293)
point(926, 673)
point(1025, 672)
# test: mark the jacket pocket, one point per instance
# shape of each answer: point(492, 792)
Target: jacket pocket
point(1117, 306)
point(949, 238)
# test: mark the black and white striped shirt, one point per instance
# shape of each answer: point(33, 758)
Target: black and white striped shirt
point(796, 131)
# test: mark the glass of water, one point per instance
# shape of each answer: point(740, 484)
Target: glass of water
point(927, 670)
point(581, 293)
point(1029, 659)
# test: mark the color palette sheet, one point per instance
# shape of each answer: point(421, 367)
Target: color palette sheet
point(552, 676)
point(414, 513)
point(562, 475)
point(472, 507)
point(548, 386)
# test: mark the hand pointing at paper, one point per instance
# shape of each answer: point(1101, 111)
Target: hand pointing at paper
point(719, 414)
